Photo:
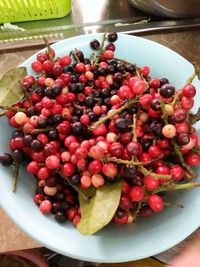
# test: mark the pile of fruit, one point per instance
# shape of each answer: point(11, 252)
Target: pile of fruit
point(103, 139)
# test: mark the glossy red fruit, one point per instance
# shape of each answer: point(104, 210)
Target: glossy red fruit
point(136, 193)
point(155, 203)
point(150, 182)
point(177, 172)
point(192, 159)
point(109, 169)
point(154, 151)
point(189, 91)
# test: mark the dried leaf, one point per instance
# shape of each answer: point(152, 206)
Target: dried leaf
point(10, 89)
point(98, 211)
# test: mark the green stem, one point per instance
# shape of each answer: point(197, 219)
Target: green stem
point(75, 187)
point(180, 155)
point(165, 116)
point(100, 50)
point(146, 172)
point(15, 176)
point(176, 98)
point(127, 162)
point(113, 113)
point(174, 187)
point(190, 79)
point(134, 139)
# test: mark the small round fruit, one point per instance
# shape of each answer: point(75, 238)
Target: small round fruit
point(155, 203)
point(136, 193)
point(169, 131)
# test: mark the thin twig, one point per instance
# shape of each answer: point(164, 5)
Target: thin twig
point(15, 176)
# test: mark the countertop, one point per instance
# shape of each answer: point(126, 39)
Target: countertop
point(186, 43)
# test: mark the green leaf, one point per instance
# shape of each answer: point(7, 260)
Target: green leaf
point(98, 211)
point(10, 89)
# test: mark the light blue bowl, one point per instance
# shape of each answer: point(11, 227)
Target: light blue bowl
point(144, 238)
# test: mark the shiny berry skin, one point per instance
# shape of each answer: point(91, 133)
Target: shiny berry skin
point(145, 100)
point(68, 169)
point(65, 60)
point(6, 159)
point(189, 91)
point(179, 116)
point(136, 193)
point(145, 71)
point(154, 151)
point(97, 180)
point(41, 57)
point(43, 173)
point(187, 103)
point(37, 66)
point(155, 203)
point(155, 104)
point(95, 44)
point(45, 206)
point(182, 127)
point(132, 148)
point(125, 92)
point(111, 46)
point(116, 150)
point(183, 139)
point(100, 130)
point(52, 162)
point(177, 172)
point(96, 152)
point(80, 67)
point(167, 90)
point(192, 159)
point(169, 131)
point(125, 202)
point(150, 182)
point(47, 66)
point(60, 216)
point(112, 36)
point(138, 87)
point(33, 167)
point(86, 181)
point(95, 166)
point(121, 125)
point(29, 79)
point(154, 83)
point(109, 169)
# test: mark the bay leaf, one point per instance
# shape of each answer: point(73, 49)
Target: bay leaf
point(10, 89)
point(98, 211)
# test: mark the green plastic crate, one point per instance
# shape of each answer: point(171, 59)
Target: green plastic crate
point(27, 10)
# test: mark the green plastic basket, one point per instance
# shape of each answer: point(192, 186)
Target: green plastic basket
point(27, 10)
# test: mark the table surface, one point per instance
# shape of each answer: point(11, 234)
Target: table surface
point(186, 43)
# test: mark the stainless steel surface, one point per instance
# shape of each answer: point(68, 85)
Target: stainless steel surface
point(90, 16)
point(169, 8)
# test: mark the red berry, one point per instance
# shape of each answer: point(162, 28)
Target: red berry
point(154, 83)
point(125, 92)
point(85, 119)
point(155, 202)
point(109, 169)
point(29, 79)
point(41, 57)
point(33, 167)
point(38, 198)
point(150, 182)
point(154, 151)
point(138, 87)
point(116, 150)
point(177, 172)
point(187, 103)
point(145, 71)
point(52, 162)
point(145, 100)
point(189, 91)
point(47, 66)
point(125, 187)
point(37, 66)
point(97, 180)
point(125, 202)
point(43, 173)
point(86, 181)
point(100, 130)
point(45, 206)
point(80, 67)
point(96, 152)
point(65, 60)
point(81, 152)
point(68, 169)
point(69, 139)
point(192, 159)
point(95, 166)
point(136, 193)
point(63, 127)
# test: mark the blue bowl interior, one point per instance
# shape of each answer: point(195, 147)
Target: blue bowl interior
point(144, 238)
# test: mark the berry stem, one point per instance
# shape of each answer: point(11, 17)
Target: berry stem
point(134, 139)
point(43, 130)
point(180, 155)
point(75, 187)
point(113, 113)
point(193, 118)
point(75, 55)
point(173, 204)
point(15, 176)
point(127, 162)
point(101, 48)
point(146, 172)
point(165, 116)
point(197, 70)
point(174, 187)
point(176, 98)
point(48, 48)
